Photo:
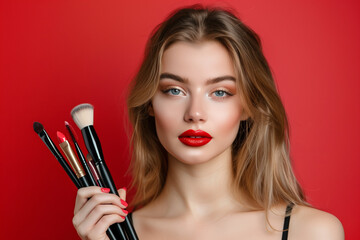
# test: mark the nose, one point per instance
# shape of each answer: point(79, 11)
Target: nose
point(196, 110)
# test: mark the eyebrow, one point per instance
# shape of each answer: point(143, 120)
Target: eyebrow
point(185, 80)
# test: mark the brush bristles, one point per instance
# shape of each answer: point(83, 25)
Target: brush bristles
point(38, 127)
point(83, 115)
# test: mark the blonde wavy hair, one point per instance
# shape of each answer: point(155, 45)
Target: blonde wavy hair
point(261, 163)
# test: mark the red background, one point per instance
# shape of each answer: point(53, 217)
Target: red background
point(57, 54)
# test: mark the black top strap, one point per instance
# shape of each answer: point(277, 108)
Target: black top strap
point(287, 221)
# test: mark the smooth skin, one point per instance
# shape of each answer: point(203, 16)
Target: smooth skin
point(197, 201)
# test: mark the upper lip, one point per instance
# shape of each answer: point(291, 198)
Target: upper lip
point(195, 133)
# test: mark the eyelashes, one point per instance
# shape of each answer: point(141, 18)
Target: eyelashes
point(218, 93)
point(173, 91)
point(222, 93)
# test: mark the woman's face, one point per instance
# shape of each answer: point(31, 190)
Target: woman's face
point(197, 107)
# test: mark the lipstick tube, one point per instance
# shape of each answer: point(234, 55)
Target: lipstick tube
point(79, 171)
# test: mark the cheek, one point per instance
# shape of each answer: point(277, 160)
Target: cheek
point(227, 118)
point(167, 114)
point(229, 113)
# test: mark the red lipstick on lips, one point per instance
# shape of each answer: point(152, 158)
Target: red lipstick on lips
point(195, 138)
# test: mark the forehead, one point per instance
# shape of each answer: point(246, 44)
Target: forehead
point(206, 59)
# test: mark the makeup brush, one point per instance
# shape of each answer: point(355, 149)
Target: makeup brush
point(74, 138)
point(39, 129)
point(83, 116)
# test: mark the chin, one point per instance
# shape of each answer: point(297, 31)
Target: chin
point(193, 161)
point(197, 157)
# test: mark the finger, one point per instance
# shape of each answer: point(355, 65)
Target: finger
point(100, 199)
point(84, 227)
point(83, 194)
point(122, 193)
point(104, 223)
point(100, 211)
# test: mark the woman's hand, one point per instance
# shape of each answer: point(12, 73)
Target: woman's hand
point(96, 209)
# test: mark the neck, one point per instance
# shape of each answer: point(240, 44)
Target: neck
point(198, 189)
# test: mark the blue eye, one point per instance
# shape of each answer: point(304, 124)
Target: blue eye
point(173, 91)
point(220, 93)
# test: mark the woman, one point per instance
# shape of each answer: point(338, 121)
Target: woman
point(210, 142)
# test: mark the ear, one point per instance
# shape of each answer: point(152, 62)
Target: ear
point(151, 110)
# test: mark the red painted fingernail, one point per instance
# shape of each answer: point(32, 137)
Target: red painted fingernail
point(122, 217)
point(126, 212)
point(123, 203)
point(124, 188)
point(105, 190)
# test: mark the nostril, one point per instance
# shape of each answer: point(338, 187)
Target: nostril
point(195, 111)
point(194, 118)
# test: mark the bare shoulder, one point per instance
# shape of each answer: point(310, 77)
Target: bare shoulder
point(310, 223)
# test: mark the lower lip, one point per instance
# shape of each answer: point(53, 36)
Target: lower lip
point(194, 142)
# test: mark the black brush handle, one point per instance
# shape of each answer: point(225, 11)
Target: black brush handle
point(92, 143)
point(109, 232)
point(84, 182)
point(93, 146)
point(109, 182)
